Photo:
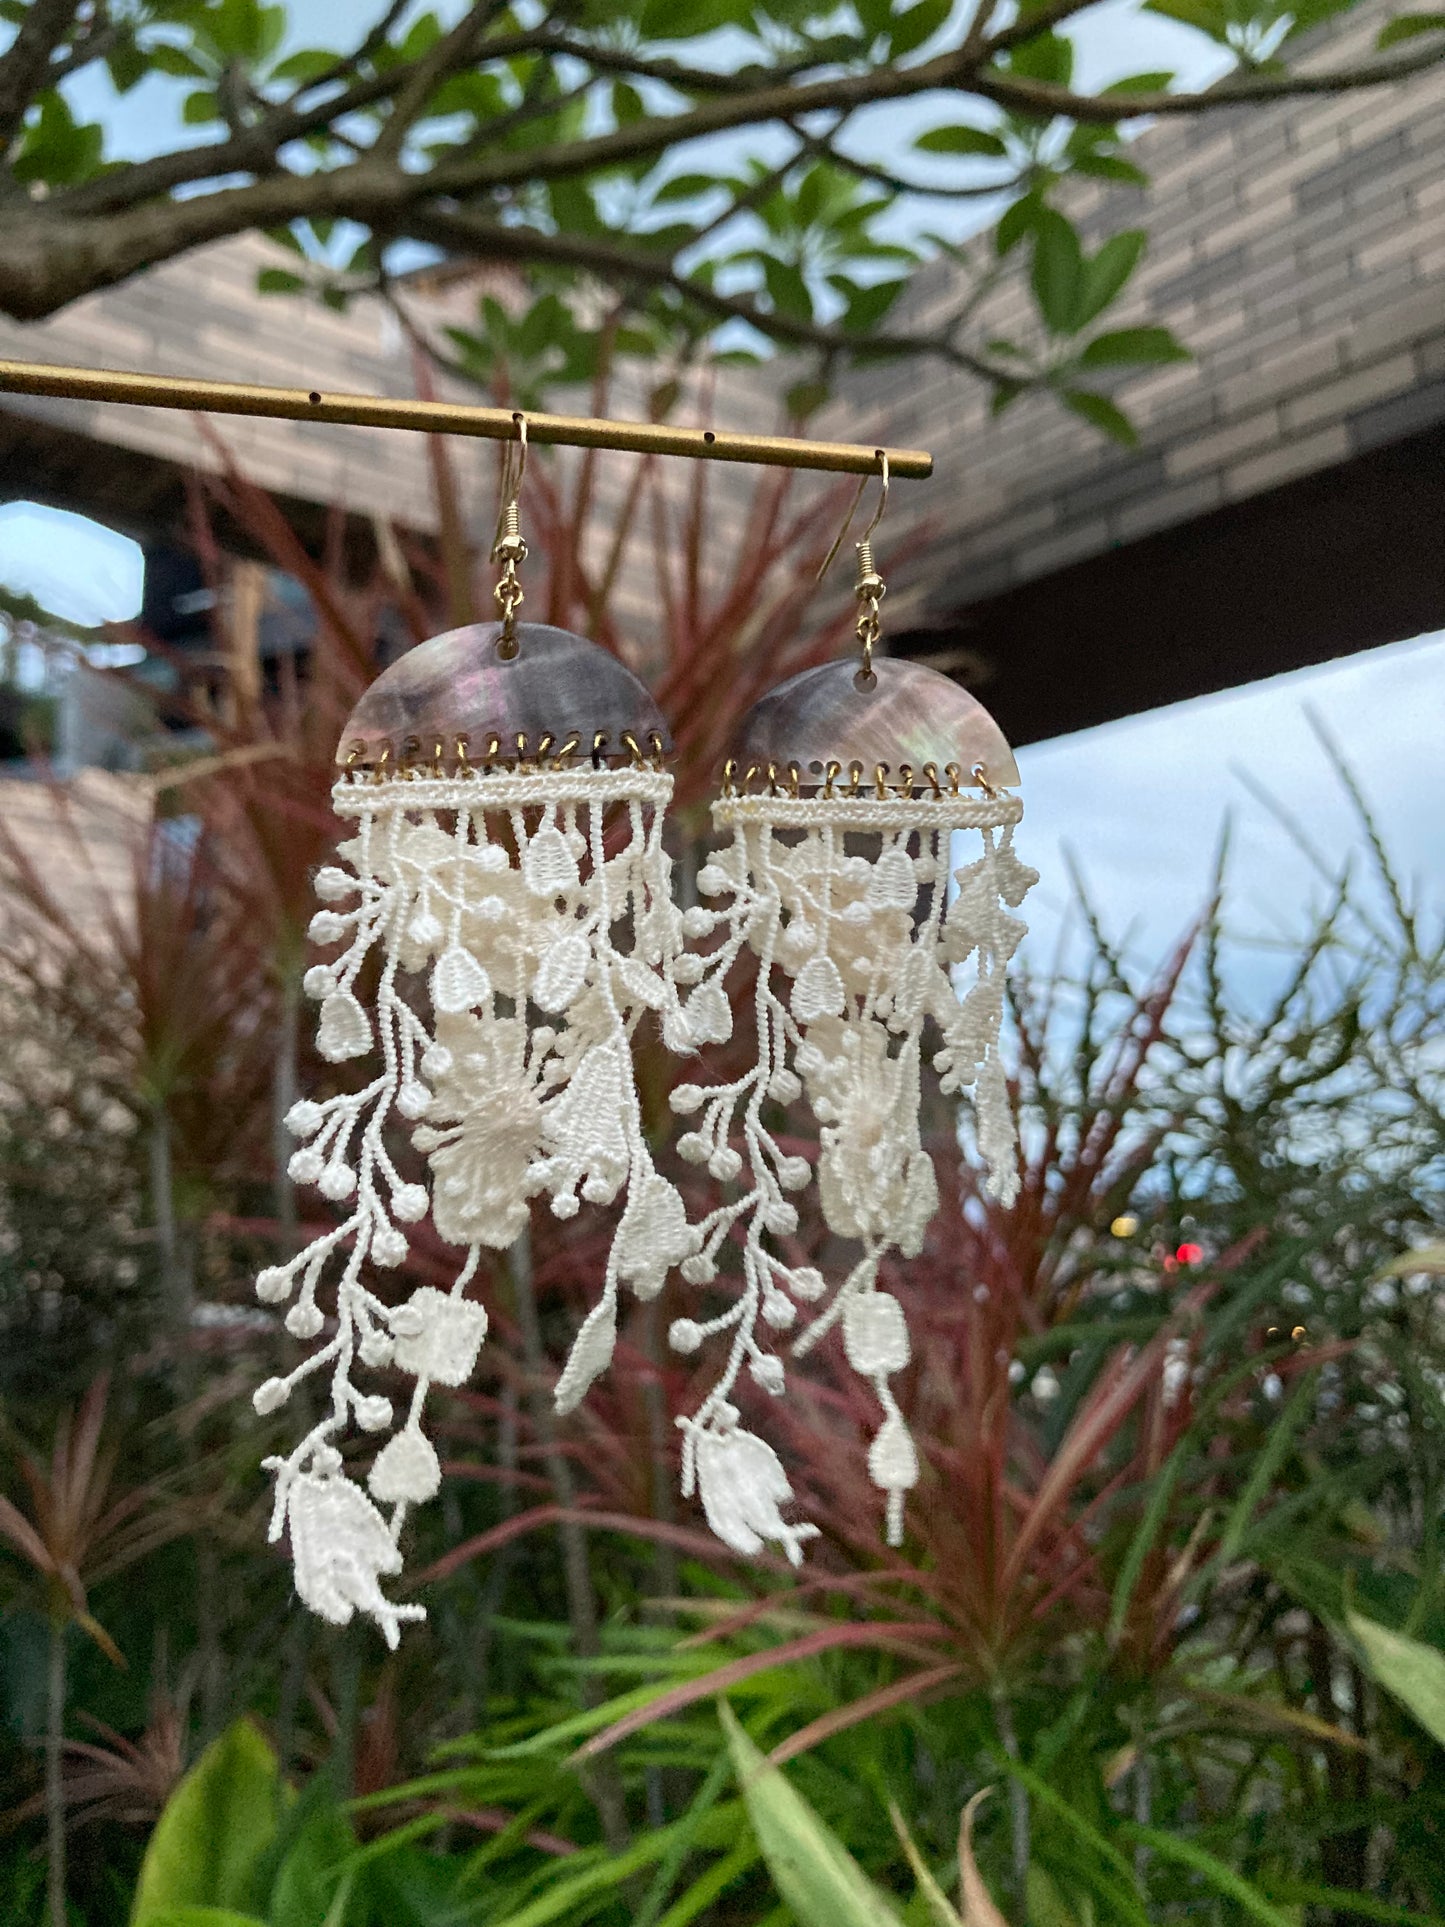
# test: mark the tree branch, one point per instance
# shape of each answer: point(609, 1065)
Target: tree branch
point(94, 45)
point(1031, 24)
point(351, 63)
point(1042, 97)
point(620, 264)
point(895, 184)
point(451, 53)
point(25, 64)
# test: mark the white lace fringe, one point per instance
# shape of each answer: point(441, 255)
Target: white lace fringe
point(854, 952)
point(537, 916)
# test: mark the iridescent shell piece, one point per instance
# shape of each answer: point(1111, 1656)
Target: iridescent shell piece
point(457, 688)
point(910, 715)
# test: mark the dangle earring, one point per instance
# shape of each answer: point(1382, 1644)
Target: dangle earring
point(847, 789)
point(499, 919)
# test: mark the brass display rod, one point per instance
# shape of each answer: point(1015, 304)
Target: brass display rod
point(450, 418)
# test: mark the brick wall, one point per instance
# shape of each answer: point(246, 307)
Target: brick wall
point(1298, 250)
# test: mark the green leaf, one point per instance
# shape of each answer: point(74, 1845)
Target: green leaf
point(312, 1870)
point(198, 108)
point(209, 1844)
point(1102, 413)
point(1048, 57)
point(1058, 272)
point(202, 1917)
point(1126, 345)
point(1185, 1853)
point(1208, 16)
point(686, 187)
point(787, 289)
point(1341, 1901)
point(1105, 275)
point(917, 24)
point(1138, 84)
point(1110, 167)
point(815, 1875)
point(679, 19)
point(868, 306)
point(805, 398)
point(1017, 221)
point(1406, 26)
point(127, 66)
point(941, 1909)
point(960, 140)
point(58, 149)
point(279, 281)
point(306, 64)
point(175, 61)
point(1414, 1673)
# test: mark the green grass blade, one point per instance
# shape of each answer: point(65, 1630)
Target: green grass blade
point(1223, 1879)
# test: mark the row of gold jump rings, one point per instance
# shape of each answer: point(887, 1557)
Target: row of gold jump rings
point(522, 756)
point(789, 780)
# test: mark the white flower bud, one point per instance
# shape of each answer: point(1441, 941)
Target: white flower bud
point(713, 880)
point(686, 1099)
point(338, 1181)
point(376, 1349)
point(784, 1087)
point(319, 981)
point(270, 1396)
point(304, 1167)
point(565, 1205)
point(409, 1202)
point(273, 1285)
point(424, 930)
point(807, 1284)
point(699, 1269)
point(684, 1334)
point(781, 1219)
point(326, 927)
point(304, 1118)
point(779, 1311)
point(687, 968)
point(406, 1321)
point(304, 1320)
point(768, 1372)
point(331, 884)
point(436, 1060)
point(412, 1100)
point(373, 1414)
point(795, 1174)
point(388, 1247)
point(694, 1148)
point(725, 1164)
point(698, 922)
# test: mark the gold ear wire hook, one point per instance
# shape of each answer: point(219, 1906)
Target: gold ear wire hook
point(869, 588)
point(509, 548)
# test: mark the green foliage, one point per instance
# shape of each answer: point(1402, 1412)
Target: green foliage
point(813, 1871)
point(1415, 1674)
point(656, 152)
point(1406, 26)
point(209, 1846)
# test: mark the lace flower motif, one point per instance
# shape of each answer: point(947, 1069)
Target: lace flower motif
point(846, 903)
point(514, 948)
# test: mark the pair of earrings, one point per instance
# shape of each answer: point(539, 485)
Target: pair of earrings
point(503, 920)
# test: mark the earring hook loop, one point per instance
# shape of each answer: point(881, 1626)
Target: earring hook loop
point(510, 548)
point(878, 513)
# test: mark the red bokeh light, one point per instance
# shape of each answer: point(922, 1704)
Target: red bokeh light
point(1189, 1254)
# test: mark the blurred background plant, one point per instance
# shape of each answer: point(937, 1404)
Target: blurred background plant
point(1171, 1585)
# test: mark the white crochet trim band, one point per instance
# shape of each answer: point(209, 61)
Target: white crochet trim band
point(870, 812)
point(536, 951)
point(856, 949)
point(362, 795)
